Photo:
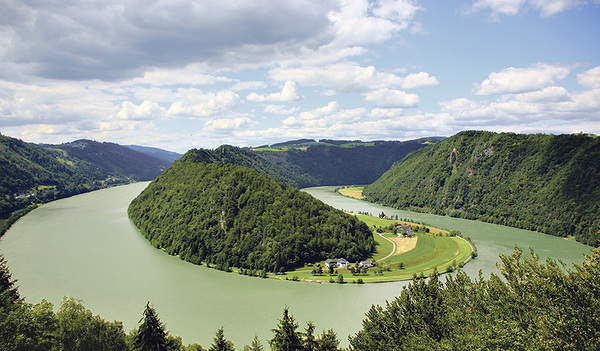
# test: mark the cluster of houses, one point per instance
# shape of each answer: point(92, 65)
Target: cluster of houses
point(343, 263)
point(405, 231)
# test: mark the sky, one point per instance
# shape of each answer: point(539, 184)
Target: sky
point(179, 74)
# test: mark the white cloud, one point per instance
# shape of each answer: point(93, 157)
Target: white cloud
point(51, 104)
point(329, 116)
point(513, 7)
point(288, 93)
point(549, 94)
point(351, 77)
point(417, 80)
point(521, 80)
point(189, 75)
point(280, 110)
point(228, 124)
point(389, 98)
point(590, 78)
point(147, 110)
point(386, 112)
point(196, 103)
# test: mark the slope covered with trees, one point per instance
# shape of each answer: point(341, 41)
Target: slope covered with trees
point(41, 173)
point(546, 183)
point(232, 216)
point(305, 162)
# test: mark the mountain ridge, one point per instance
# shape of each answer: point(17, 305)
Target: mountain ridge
point(545, 183)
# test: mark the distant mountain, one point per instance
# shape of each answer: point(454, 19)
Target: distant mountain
point(546, 183)
point(305, 162)
point(164, 155)
point(33, 173)
point(204, 210)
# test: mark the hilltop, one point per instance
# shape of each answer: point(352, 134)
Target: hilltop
point(545, 183)
point(306, 162)
point(227, 215)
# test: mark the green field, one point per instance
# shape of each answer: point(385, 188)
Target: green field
point(433, 251)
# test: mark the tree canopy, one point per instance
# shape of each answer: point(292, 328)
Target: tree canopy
point(232, 216)
point(545, 183)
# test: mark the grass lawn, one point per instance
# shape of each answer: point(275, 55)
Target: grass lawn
point(435, 249)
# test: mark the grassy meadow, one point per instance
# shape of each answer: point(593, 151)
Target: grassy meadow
point(435, 248)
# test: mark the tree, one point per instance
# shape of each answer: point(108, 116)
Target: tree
point(328, 341)
point(79, 329)
point(152, 335)
point(286, 337)
point(9, 293)
point(220, 343)
point(256, 345)
point(310, 343)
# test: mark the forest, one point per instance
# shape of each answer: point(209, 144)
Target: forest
point(232, 216)
point(303, 163)
point(43, 173)
point(530, 306)
point(544, 183)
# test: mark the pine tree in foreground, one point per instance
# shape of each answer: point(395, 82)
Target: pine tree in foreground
point(151, 335)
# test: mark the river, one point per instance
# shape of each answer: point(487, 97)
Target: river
point(86, 247)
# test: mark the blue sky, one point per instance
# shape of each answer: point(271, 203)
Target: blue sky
point(187, 74)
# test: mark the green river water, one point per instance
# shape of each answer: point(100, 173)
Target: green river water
point(86, 247)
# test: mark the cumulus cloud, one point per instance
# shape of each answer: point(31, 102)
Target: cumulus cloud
point(280, 110)
point(386, 112)
point(520, 80)
point(329, 116)
point(590, 78)
point(288, 93)
point(417, 80)
point(196, 103)
point(227, 125)
point(52, 104)
point(147, 110)
point(390, 98)
point(350, 77)
point(512, 7)
point(109, 39)
point(549, 94)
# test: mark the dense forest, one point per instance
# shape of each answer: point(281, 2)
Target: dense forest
point(40, 173)
point(303, 163)
point(232, 216)
point(545, 183)
point(531, 306)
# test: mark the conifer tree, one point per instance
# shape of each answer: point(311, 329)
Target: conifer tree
point(220, 343)
point(286, 337)
point(256, 345)
point(152, 335)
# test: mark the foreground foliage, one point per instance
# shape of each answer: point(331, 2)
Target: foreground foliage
point(232, 216)
point(545, 183)
point(531, 306)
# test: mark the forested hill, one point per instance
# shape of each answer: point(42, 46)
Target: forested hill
point(546, 183)
point(31, 173)
point(305, 162)
point(232, 216)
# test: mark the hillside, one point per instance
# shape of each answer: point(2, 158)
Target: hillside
point(41, 173)
point(305, 162)
point(546, 183)
point(232, 216)
point(163, 155)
